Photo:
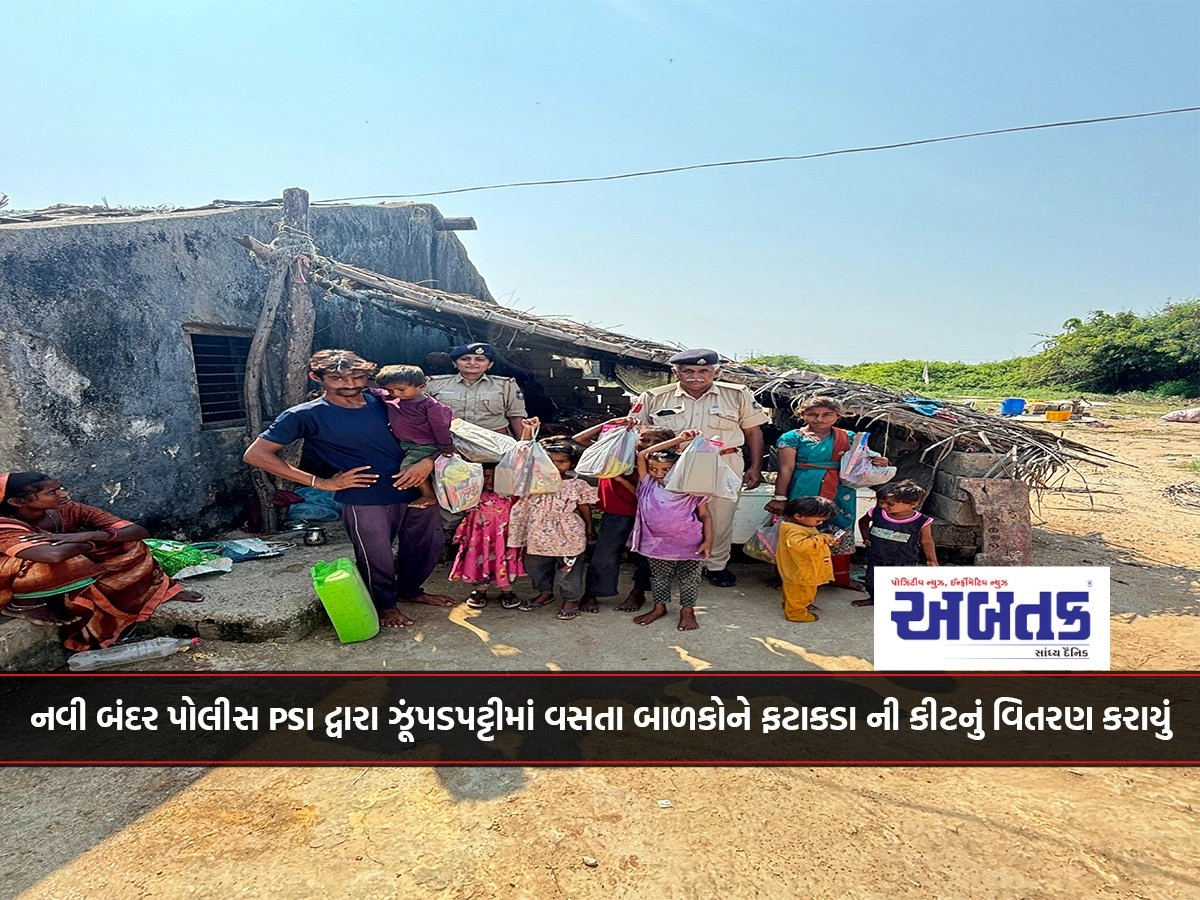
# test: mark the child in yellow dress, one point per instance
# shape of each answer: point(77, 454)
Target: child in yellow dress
point(803, 557)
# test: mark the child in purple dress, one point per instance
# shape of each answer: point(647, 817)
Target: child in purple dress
point(673, 531)
point(484, 556)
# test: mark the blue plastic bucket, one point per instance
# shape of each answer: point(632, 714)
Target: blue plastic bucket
point(1012, 406)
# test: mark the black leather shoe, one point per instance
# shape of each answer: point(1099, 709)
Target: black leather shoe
point(720, 578)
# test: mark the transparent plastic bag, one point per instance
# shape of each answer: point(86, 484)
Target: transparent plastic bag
point(698, 469)
point(729, 486)
point(475, 443)
point(527, 469)
point(613, 454)
point(765, 540)
point(856, 470)
point(457, 483)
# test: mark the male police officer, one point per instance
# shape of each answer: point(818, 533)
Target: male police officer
point(489, 401)
point(727, 412)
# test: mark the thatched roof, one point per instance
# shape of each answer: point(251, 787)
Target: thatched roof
point(1030, 454)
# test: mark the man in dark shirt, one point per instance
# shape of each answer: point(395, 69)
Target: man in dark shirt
point(348, 428)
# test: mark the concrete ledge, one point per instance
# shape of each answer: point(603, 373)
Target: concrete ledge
point(260, 600)
point(25, 647)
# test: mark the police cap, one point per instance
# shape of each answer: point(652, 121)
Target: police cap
point(700, 357)
point(476, 349)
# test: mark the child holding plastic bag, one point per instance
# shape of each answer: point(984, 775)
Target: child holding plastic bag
point(802, 555)
point(674, 531)
point(554, 528)
point(484, 557)
point(618, 501)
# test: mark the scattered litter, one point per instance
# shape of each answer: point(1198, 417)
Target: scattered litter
point(665, 804)
point(1185, 494)
point(591, 862)
point(1183, 415)
point(203, 655)
point(246, 548)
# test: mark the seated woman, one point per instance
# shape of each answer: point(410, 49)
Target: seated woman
point(75, 566)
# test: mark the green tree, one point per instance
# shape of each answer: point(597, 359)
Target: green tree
point(1113, 352)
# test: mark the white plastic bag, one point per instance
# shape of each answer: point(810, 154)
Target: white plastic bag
point(457, 483)
point(698, 470)
point(613, 454)
point(856, 468)
point(527, 469)
point(475, 443)
point(729, 486)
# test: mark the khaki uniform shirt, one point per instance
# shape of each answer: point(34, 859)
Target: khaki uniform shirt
point(720, 412)
point(487, 403)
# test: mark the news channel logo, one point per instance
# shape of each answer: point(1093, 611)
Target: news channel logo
point(992, 618)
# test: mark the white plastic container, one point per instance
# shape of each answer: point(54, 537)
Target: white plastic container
point(864, 501)
point(750, 513)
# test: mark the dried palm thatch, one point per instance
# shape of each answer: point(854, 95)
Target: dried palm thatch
point(1040, 459)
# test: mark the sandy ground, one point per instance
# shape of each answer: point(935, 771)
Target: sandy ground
point(787, 832)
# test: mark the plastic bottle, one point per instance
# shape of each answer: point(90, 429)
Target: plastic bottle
point(155, 648)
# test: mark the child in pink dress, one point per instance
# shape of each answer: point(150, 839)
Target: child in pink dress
point(555, 529)
point(484, 556)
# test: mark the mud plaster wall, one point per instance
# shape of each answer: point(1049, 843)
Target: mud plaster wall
point(101, 385)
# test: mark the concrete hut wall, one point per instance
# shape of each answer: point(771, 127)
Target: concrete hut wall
point(101, 385)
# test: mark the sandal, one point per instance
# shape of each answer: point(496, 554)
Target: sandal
point(567, 613)
point(509, 600)
point(477, 599)
point(536, 602)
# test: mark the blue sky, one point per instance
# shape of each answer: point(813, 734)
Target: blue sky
point(964, 250)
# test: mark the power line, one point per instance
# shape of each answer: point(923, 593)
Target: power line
point(769, 159)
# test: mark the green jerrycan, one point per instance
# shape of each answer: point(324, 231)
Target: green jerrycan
point(346, 600)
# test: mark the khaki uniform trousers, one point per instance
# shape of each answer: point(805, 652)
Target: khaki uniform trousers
point(722, 517)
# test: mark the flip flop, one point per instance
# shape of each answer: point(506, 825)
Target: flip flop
point(477, 600)
point(530, 606)
point(567, 613)
point(509, 600)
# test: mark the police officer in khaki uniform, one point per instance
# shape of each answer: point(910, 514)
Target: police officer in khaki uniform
point(727, 412)
point(489, 401)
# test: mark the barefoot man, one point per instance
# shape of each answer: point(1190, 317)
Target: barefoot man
point(348, 428)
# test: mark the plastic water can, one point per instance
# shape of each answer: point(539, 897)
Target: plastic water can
point(346, 600)
point(1012, 406)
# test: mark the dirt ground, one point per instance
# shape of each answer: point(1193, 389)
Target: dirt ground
point(770, 832)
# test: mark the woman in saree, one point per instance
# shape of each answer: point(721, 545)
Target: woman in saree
point(80, 568)
point(809, 459)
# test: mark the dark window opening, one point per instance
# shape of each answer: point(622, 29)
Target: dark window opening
point(220, 361)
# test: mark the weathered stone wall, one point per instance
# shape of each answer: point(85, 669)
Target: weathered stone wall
point(101, 389)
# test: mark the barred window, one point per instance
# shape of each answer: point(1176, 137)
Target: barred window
point(220, 361)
